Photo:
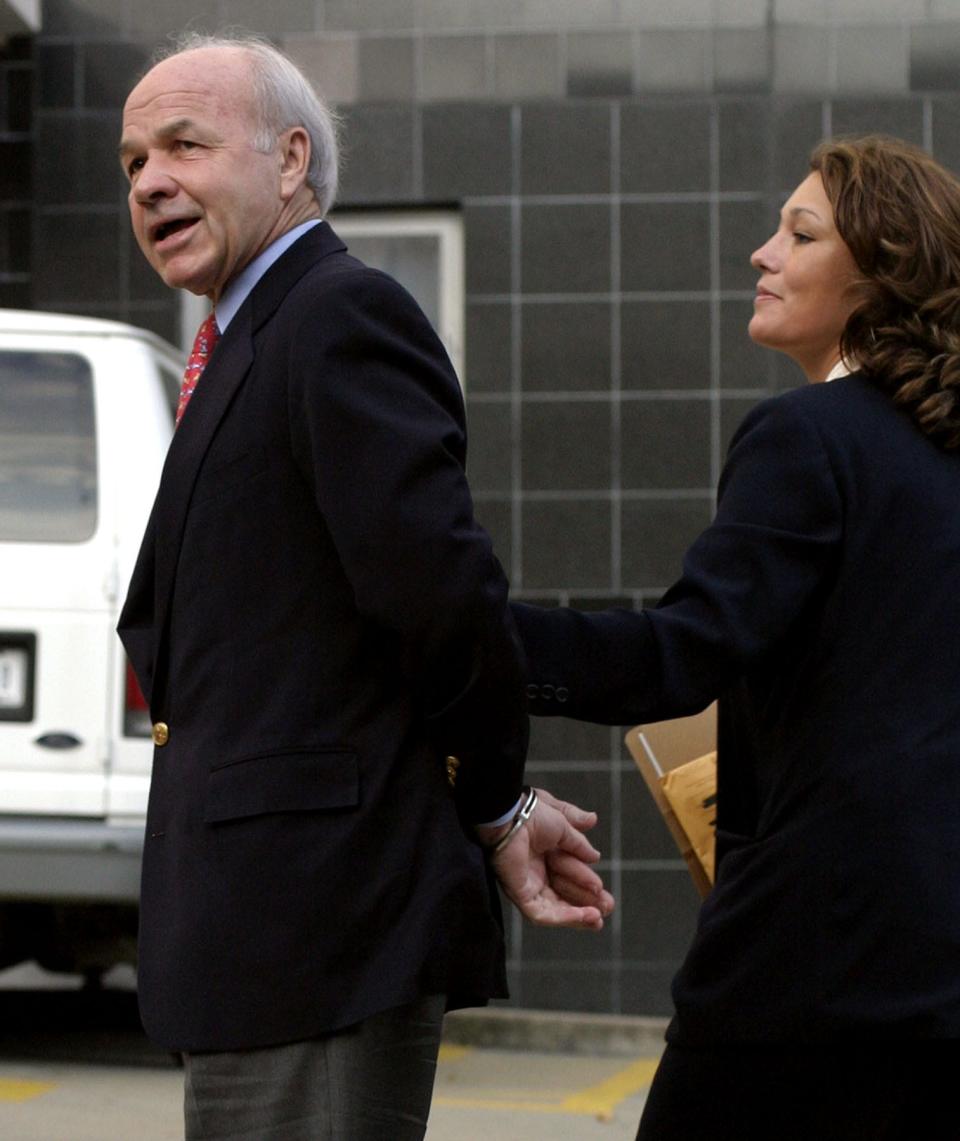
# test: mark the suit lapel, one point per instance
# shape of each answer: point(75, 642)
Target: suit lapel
point(220, 381)
point(228, 368)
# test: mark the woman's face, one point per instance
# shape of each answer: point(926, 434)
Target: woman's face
point(806, 289)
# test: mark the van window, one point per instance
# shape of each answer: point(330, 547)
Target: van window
point(48, 461)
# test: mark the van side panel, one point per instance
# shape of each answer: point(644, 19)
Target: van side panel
point(85, 422)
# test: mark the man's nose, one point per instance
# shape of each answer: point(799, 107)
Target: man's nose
point(153, 182)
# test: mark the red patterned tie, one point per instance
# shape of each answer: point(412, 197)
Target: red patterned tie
point(204, 343)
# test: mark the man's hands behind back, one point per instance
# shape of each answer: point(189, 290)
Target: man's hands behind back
point(545, 867)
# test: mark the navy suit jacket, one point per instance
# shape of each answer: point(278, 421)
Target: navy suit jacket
point(822, 607)
point(320, 621)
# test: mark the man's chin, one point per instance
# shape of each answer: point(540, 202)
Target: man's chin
point(178, 278)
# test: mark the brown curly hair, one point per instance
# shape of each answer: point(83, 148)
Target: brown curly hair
point(898, 211)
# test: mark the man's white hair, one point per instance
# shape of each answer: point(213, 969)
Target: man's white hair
point(283, 97)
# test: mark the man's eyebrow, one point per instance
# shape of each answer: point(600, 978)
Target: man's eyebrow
point(167, 131)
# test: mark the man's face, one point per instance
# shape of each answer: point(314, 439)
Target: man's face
point(203, 202)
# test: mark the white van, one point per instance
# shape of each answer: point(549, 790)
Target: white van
point(86, 414)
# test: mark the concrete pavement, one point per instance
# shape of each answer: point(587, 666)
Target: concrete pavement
point(504, 1073)
point(543, 1076)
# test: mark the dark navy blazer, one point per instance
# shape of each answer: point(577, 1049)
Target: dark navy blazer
point(321, 623)
point(822, 607)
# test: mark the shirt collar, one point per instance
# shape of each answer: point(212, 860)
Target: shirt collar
point(841, 368)
point(242, 285)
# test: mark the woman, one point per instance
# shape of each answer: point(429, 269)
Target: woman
point(820, 999)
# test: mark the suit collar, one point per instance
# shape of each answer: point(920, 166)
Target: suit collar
point(281, 277)
point(243, 284)
point(233, 356)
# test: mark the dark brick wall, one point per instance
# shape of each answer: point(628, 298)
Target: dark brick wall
point(16, 178)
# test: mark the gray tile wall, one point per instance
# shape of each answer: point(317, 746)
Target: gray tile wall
point(615, 161)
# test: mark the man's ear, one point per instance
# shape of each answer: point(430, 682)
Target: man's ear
point(294, 147)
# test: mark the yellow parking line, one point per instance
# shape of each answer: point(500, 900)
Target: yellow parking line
point(12, 1090)
point(452, 1053)
point(601, 1100)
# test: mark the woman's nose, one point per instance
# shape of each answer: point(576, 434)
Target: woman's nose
point(764, 258)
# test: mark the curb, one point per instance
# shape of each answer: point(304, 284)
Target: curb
point(556, 1032)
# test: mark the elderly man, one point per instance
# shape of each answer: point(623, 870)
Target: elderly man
point(322, 631)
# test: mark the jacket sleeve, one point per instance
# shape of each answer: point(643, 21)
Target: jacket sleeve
point(377, 425)
point(747, 580)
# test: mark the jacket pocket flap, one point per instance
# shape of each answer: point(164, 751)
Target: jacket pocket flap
point(283, 782)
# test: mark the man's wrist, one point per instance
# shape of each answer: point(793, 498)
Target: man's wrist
point(507, 816)
point(496, 838)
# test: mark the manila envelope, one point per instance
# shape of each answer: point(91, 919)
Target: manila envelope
point(678, 761)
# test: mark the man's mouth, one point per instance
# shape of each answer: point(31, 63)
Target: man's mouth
point(174, 226)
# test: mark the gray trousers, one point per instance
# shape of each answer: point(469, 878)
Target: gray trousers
point(370, 1082)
